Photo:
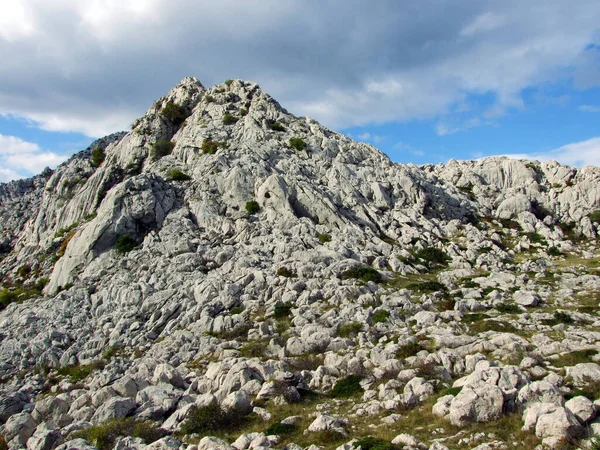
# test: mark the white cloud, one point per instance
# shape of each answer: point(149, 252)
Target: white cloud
point(7, 175)
point(100, 63)
point(11, 145)
point(589, 108)
point(584, 153)
point(20, 159)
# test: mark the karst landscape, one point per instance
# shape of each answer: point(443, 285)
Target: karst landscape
point(226, 275)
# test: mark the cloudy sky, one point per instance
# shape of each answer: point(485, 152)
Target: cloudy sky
point(424, 80)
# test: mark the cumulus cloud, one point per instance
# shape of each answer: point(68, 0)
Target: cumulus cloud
point(100, 63)
point(581, 154)
point(20, 159)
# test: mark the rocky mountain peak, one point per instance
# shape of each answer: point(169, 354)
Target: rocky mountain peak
point(225, 257)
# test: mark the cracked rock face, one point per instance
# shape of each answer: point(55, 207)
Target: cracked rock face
point(229, 260)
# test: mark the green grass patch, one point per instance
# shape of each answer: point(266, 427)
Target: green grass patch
point(349, 329)
point(79, 372)
point(104, 436)
point(347, 387)
point(380, 316)
point(364, 273)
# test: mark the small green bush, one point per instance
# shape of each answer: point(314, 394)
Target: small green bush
point(174, 113)
point(7, 297)
point(276, 126)
point(427, 286)
point(24, 271)
point(125, 244)
point(161, 148)
point(537, 238)
point(297, 144)
point(80, 372)
point(178, 175)
point(253, 349)
point(371, 443)
point(559, 317)
point(98, 156)
point(281, 429)
point(252, 207)
point(364, 273)
point(323, 238)
point(228, 82)
point(285, 272)
point(380, 316)
point(228, 119)
point(554, 251)
point(104, 435)
point(210, 147)
point(209, 419)
point(243, 112)
point(452, 391)
point(433, 256)
point(508, 308)
point(349, 329)
point(282, 310)
point(595, 216)
point(347, 387)
point(409, 349)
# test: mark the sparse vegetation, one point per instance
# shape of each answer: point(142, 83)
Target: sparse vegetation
point(228, 119)
point(178, 175)
point(323, 238)
point(282, 310)
point(433, 256)
point(210, 147)
point(595, 216)
point(175, 113)
point(281, 429)
point(276, 126)
point(243, 112)
point(297, 144)
point(372, 443)
point(252, 207)
point(427, 286)
point(285, 272)
point(508, 308)
point(364, 273)
point(98, 156)
point(349, 329)
point(210, 419)
point(125, 244)
point(347, 387)
point(104, 436)
point(161, 148)
point(228, 82)
point(380, 316)
point(79, 372)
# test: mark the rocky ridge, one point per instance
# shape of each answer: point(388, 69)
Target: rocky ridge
point(227, 275)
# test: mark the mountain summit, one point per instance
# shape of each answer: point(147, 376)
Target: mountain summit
point(228, 269)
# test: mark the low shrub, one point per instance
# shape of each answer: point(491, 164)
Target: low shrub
point(178, 175)
point(349, 329)
point(254, 349)
point(409, 349)
point(98, 156)
point(452, 391)
point(209, 419)
point(508, 308)
point(243, 112)
point(228, 119)
point(559, 317)
point(347, 387)
point(210, 147)
point(161, 148)
point(364, 273)
point(380, 316)
point(595, 216)
point(297, 144)
point(104, 435)
point(433, 256)
point(24, 271)
point(372, 443)
point(537, 238)
point(252, 207)
point(285, 272)
point(228, 82)
point(281, 429)
point(282, 310)
point(125, 244)
point(79, 372)
point(276, 126)
point(323, 238)
point(175, 113)
point(554, 251)
point(427, 286)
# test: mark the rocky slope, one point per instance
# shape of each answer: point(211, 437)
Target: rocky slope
point(227, 275)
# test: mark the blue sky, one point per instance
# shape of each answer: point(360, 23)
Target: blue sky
point(425, 81)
